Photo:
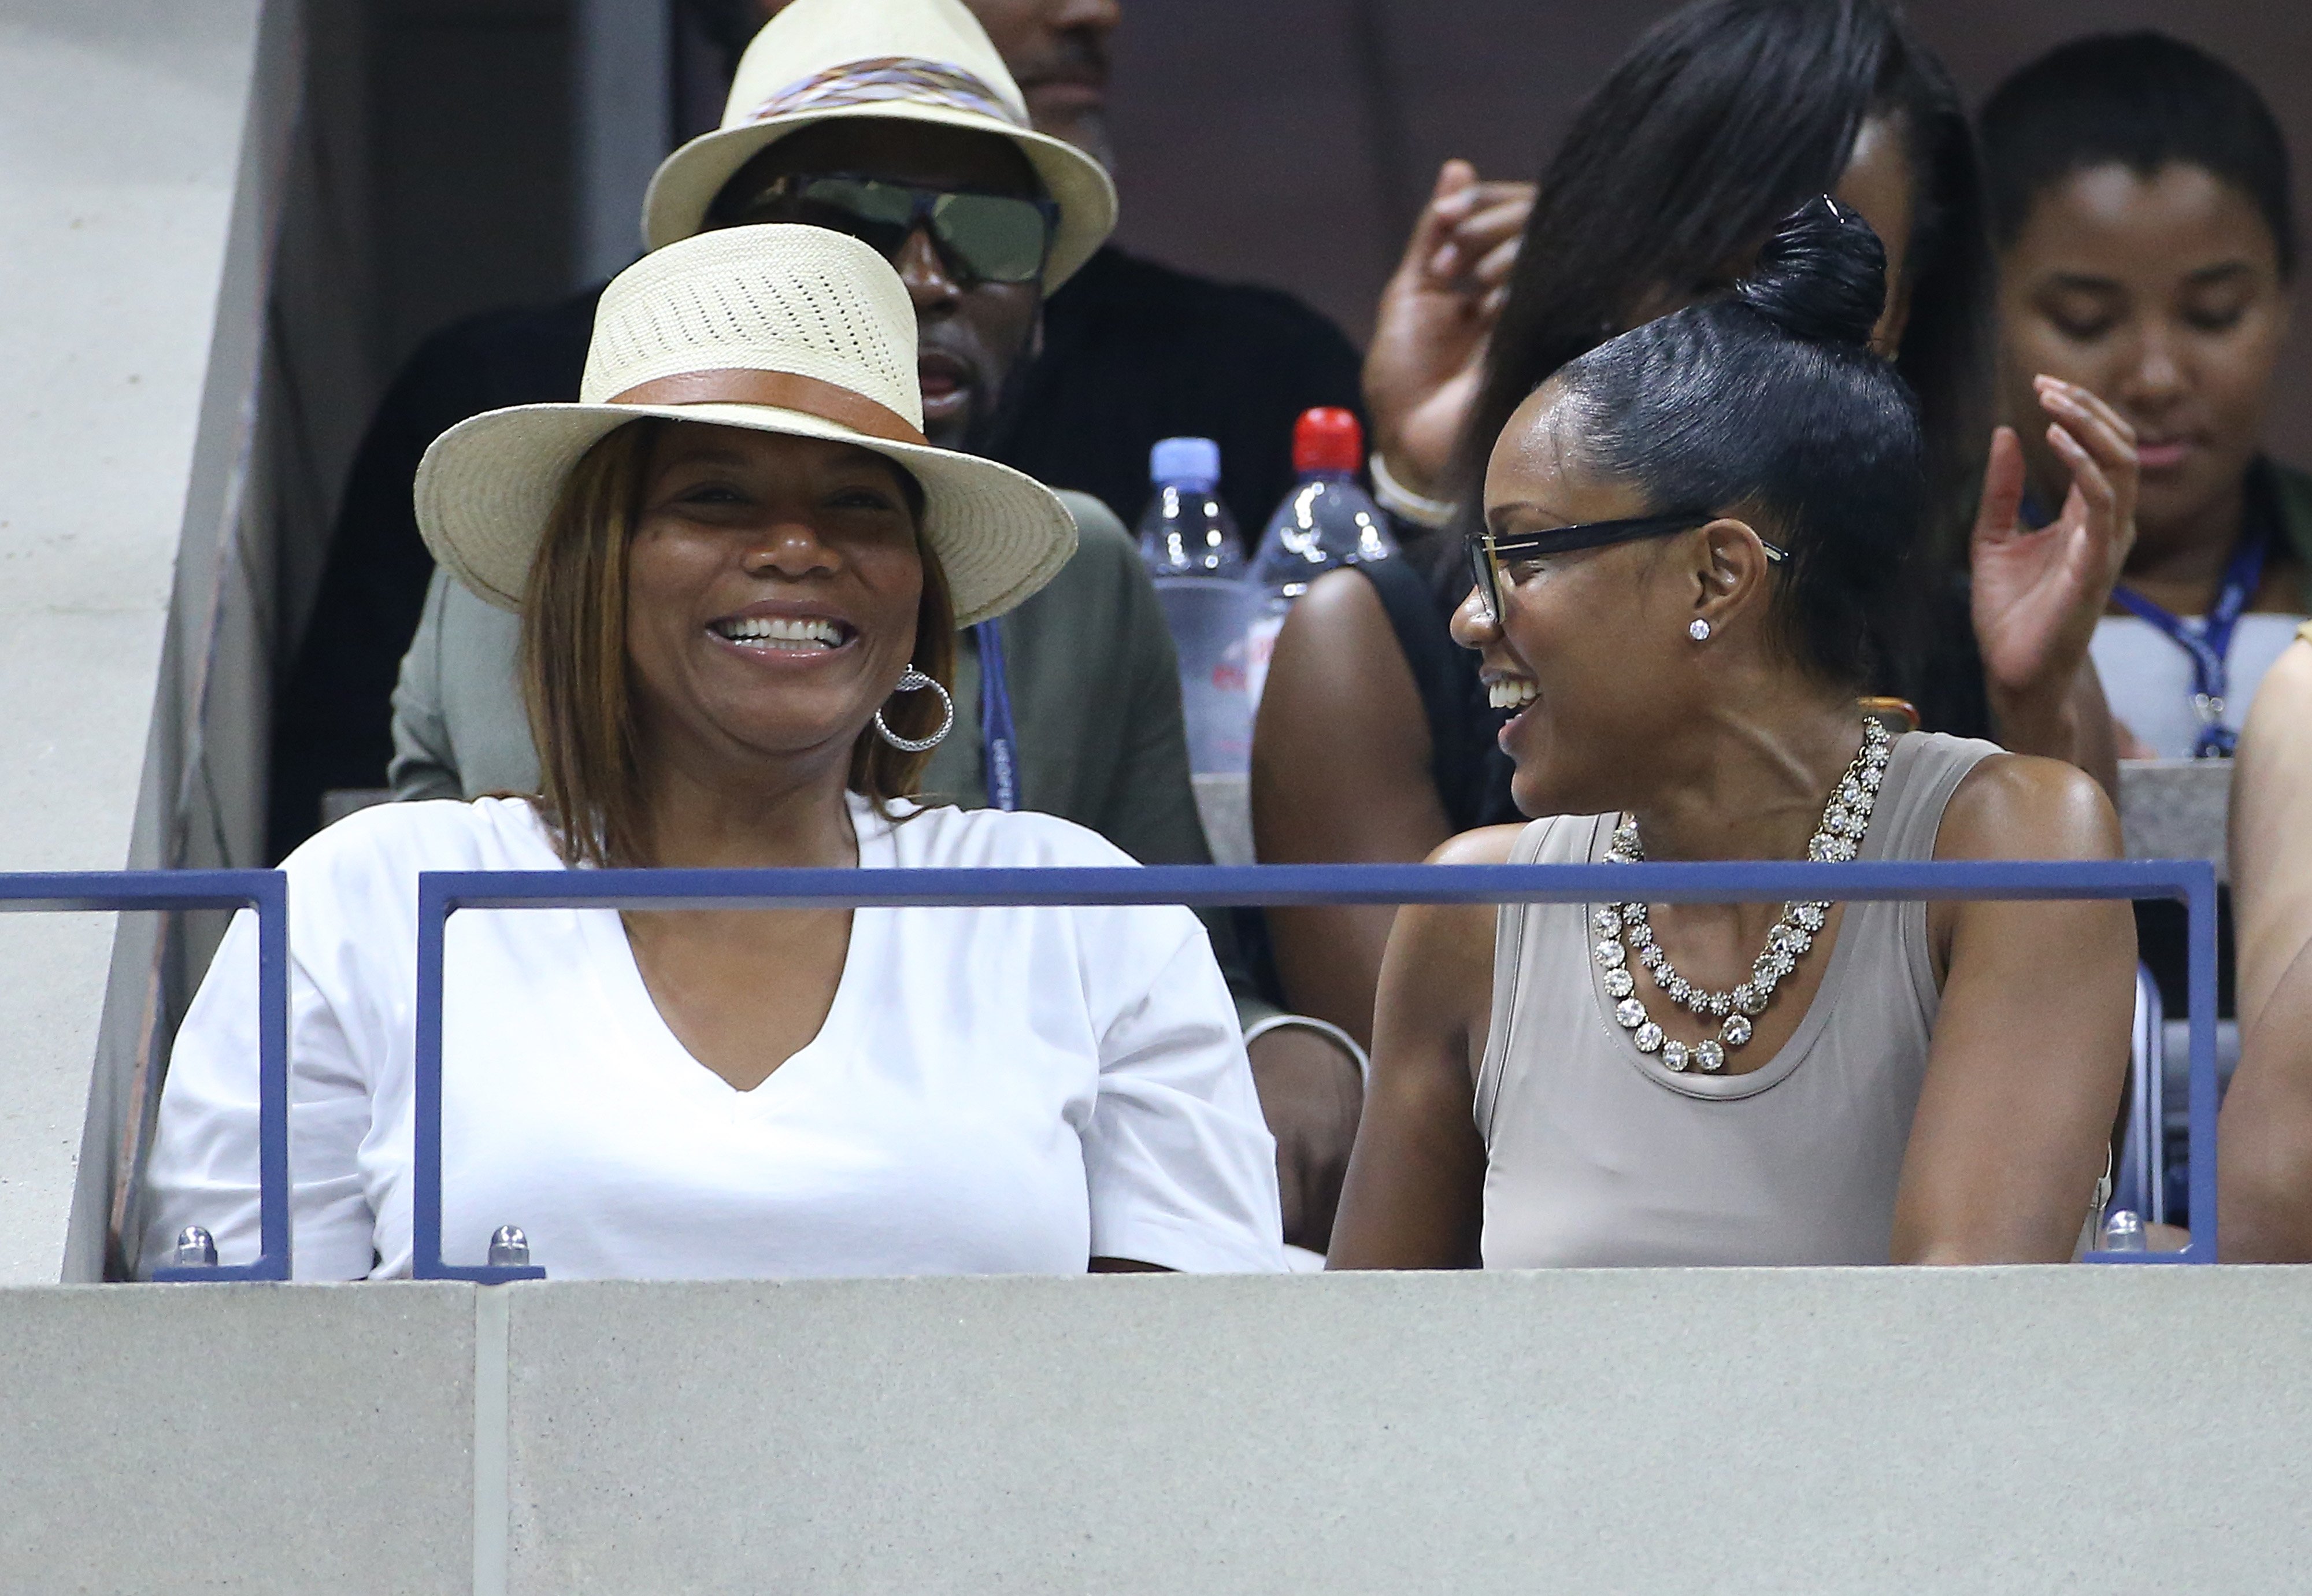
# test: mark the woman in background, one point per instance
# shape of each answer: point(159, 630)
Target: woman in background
point(1375, 740)
point(1696, 542)
point(2139, 196)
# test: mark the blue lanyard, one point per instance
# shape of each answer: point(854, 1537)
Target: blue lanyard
point(997, 736)
point(2208, 643)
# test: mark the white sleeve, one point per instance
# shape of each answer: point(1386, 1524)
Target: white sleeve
point(1181, 1166)
point(202, 1168)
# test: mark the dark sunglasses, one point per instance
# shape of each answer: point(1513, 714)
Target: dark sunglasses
point(1489, 551)
point(988, 238)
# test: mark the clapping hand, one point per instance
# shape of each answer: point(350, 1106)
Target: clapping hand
point(2038, 594)
point(1428, 338)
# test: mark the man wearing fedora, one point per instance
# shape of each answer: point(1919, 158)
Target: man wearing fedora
point(898, 124)
point(1133, 350)
point(1130, 351)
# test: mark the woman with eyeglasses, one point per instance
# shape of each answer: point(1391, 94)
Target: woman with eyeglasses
point(1376, 739)
point(1696, 540)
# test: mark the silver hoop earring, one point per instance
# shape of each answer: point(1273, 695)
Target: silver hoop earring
point(1699, 631)
point(915, 681)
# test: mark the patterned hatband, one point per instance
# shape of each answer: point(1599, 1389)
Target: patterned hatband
point(887, 78)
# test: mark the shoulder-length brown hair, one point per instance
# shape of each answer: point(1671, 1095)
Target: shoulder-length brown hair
point(577, 683)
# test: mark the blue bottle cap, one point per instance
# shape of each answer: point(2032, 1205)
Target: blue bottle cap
point(1186, 462)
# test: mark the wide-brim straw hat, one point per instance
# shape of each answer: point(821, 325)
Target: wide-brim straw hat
point(912, 60)
point(787, 329)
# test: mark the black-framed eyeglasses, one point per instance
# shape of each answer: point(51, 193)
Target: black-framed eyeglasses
point(988, 238)
point(1490, 552)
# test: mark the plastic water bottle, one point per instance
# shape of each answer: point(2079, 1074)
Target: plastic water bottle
point(1193, 554)
point(1325, 520)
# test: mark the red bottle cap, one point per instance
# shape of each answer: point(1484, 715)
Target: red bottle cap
point(1327, 440)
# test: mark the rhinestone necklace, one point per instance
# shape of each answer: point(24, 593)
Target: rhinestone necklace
point(1623, 933)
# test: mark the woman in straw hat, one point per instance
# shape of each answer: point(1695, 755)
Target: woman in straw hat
point(740, 570)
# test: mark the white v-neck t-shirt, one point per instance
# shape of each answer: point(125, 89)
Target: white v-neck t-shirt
point(994, 1090)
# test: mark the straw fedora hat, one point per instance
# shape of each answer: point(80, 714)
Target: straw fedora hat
point(921, 60)
point(788, 330)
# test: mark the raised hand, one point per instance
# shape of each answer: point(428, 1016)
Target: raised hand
point(2038, 594)
point(1436, 313)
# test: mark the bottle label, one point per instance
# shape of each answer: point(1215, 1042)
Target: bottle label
point(1260, 643)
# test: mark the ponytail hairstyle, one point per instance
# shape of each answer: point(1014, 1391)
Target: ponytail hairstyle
point(1768, 403)
point(1724, 118)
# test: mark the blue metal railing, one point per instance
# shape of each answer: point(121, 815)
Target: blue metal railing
point(268, 892)
point(441, 894)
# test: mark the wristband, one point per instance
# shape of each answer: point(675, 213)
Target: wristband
point(1403, 502)
point(1324, 1027)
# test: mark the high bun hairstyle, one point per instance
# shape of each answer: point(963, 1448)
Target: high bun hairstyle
point(1821, 277)
point(1767, 403)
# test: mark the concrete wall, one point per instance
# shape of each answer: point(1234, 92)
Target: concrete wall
point(135, 158)
point(161, 1439)
point(184, 244)
point(2109, 1429)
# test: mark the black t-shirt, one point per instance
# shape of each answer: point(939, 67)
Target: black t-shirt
point(1132, 351)
point(1135, 352)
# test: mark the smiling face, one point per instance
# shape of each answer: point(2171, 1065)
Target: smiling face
point(773, 587)
point(2162, 296)
point(970, 336)
point(1591, 646)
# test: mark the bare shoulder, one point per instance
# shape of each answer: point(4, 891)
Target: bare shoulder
point(1442, 936)
point(1340, 617)
point(1437, 978)
point(1487, 844)
point(2020, 806)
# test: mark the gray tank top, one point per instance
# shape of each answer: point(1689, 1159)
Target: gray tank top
point(1598, 1154)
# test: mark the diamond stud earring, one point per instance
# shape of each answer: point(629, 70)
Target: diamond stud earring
point(1699, 631)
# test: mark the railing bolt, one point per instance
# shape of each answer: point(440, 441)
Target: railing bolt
point(510, 1249)
point(196, 1249)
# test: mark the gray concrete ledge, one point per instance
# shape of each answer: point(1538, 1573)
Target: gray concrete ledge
point(1586, 1431)
point(134, 242)
point(2113, 1429)
point(246, 1438)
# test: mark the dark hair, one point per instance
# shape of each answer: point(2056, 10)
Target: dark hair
point(1722, 118)
point(1768, 402)
point(2141, 99)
